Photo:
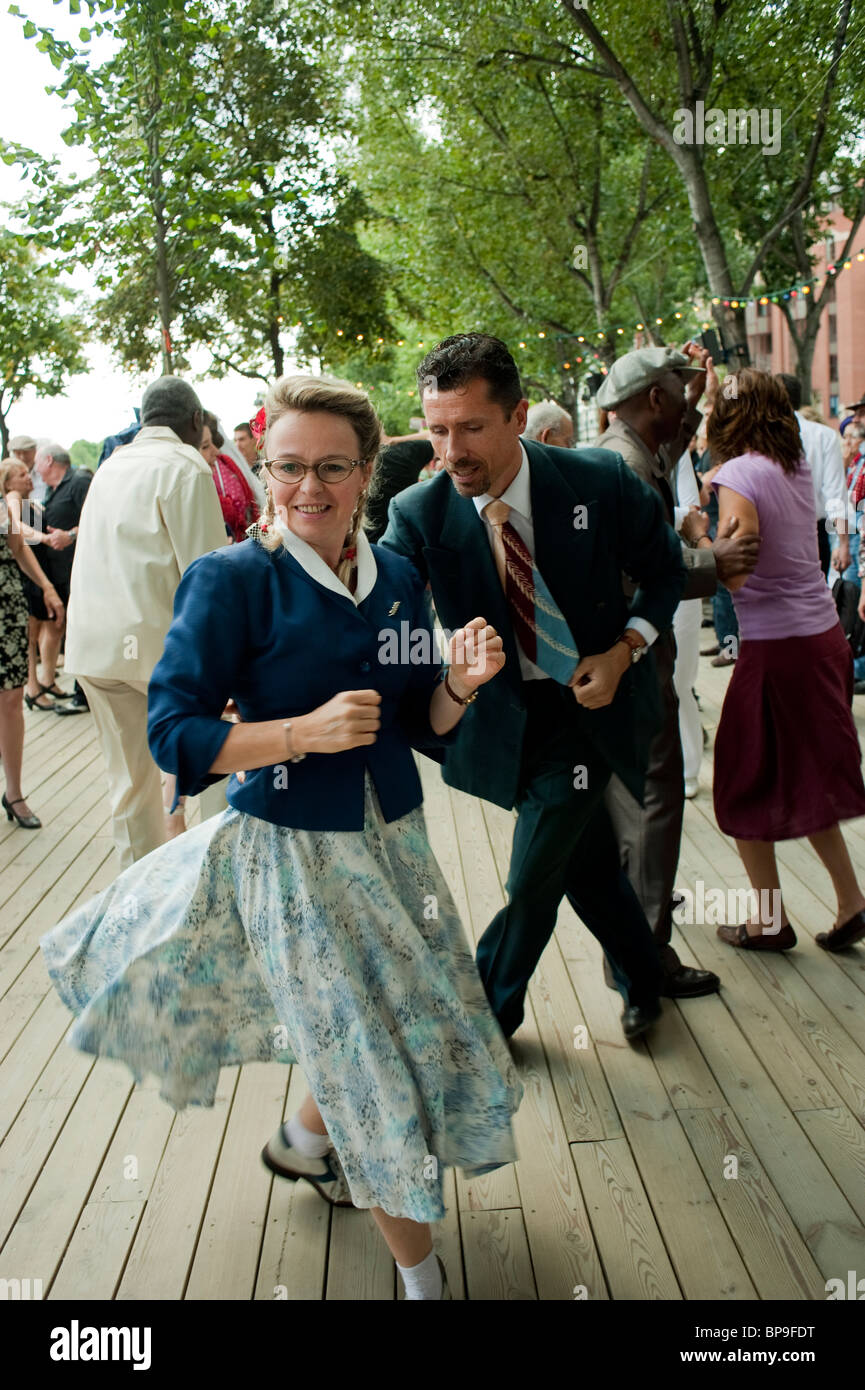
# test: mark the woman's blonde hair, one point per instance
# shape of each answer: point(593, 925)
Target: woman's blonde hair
point(334, 396)
point(7, 468)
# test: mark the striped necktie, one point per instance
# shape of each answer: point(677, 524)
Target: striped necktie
point(539, 625)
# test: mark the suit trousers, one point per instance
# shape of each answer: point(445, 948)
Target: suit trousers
point(562, 782)
point(119, 709)
point(650, 835)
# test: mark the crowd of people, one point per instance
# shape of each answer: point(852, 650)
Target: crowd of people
point(226, 609)
point(42, 499)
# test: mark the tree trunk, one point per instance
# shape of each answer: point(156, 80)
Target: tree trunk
point(151, 102)
point(730, 321)
point(805, 359)
point(157, 203)
point(273, 325)
point(4, 436)
point(163, 284)
point(803, 333)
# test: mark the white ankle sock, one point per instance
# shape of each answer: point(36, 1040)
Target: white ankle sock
point(423, 1281)
point(305, 1140)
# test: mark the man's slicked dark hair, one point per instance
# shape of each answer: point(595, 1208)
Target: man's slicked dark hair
point(464, 358)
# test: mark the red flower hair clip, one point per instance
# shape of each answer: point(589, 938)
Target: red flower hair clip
point(258, 426)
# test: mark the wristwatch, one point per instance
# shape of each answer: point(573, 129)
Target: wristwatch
point(468, 701)
point(638, 649)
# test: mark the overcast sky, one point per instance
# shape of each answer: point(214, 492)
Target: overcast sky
point(100, 402)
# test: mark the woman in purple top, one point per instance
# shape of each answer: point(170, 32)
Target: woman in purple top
point(787, 757)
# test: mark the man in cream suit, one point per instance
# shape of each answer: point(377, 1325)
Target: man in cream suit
point(151, 510)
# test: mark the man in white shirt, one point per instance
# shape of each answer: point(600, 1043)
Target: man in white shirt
point(822, 449)
point(151, 510)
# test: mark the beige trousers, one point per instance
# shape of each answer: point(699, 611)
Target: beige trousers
point(119, 709)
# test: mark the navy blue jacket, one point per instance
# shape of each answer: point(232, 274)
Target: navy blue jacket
point(593, 519)
point(253, 626)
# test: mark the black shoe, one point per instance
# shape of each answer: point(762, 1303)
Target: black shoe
point(638, 1018)
point(75, 706)
point(26, 822)
point(687, 983)
point(57, 692)
point(846, 934)
point(34, 701)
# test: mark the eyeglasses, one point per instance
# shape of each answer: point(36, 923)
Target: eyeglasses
point(329, 470)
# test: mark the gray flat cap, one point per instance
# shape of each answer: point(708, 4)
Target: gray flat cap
point(22, 441)
point(637, 371)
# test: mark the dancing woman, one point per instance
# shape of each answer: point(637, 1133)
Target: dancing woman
point(787, 757)
point(310, 921)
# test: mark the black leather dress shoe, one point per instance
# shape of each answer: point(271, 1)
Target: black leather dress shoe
point(638, 1018)
point(687, 983)
point(74, 706)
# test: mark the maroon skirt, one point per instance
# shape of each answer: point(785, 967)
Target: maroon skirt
point(787, 756)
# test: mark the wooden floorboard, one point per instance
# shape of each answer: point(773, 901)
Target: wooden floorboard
point(721, 1157)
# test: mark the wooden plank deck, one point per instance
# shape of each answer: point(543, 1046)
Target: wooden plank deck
point(623, 1189)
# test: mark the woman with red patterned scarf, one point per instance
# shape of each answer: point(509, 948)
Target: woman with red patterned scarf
point(239, 507)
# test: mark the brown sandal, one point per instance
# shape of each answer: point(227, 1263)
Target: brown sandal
point(736, 934)
point(843, 935)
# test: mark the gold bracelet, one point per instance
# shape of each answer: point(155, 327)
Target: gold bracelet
point(292, 756)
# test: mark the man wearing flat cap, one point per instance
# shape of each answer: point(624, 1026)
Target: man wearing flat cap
point(654, 393)
point(23, 448)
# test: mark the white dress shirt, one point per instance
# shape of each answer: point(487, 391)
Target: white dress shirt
point(151, 510)
point(687, 490)
point(518, 496)
point(822, 449)
point(40, 487)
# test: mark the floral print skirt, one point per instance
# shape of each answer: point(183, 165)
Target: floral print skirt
point(13, 621)
point(341, 950)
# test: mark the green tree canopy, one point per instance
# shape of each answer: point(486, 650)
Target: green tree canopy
point(40, 344)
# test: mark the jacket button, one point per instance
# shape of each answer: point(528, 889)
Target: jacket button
point(365, 666)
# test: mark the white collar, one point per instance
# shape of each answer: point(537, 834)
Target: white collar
point(317, 569)
point(518, 494)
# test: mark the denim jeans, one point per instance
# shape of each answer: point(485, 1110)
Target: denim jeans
point(852, 570)
point(724, 615)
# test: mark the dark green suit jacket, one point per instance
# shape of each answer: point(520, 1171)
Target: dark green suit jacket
point(581, 555)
